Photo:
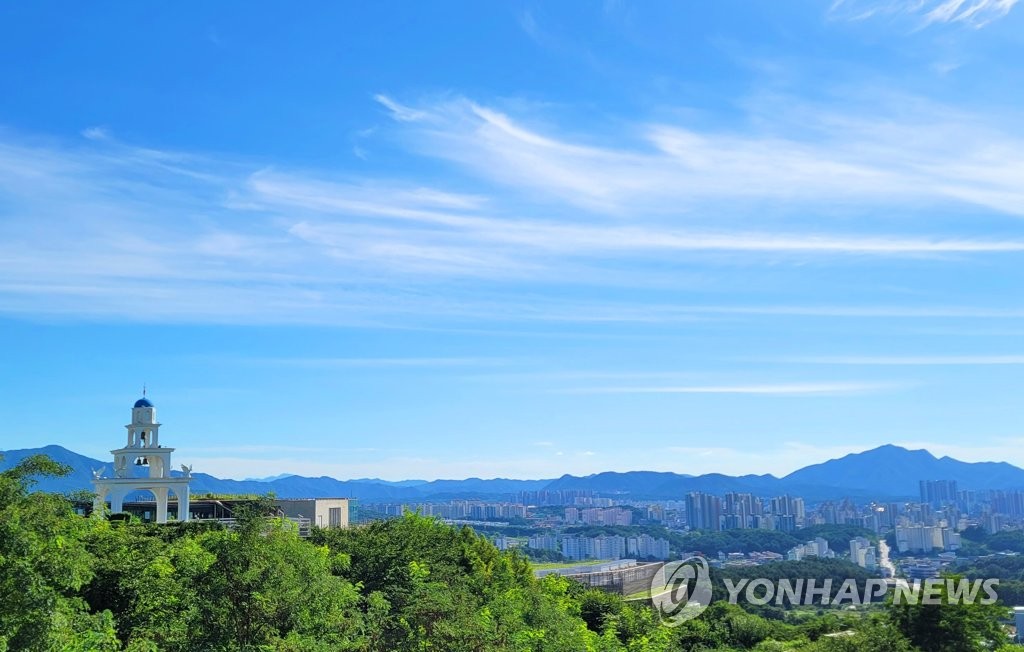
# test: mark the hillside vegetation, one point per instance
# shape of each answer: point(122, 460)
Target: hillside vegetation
point(77, 584)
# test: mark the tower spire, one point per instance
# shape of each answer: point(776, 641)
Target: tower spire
point(143, 390)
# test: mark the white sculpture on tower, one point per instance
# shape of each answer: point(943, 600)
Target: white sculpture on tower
point(143, 450)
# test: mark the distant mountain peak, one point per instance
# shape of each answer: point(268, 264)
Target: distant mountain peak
point(893, 449)
point(270, 478)
point(899, 471)
point(887, 471)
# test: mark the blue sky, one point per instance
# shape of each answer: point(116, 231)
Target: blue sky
point(514, 239)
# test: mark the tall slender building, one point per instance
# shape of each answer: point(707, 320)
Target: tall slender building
point(938, 492)
point(739, 510)
point(703, 512)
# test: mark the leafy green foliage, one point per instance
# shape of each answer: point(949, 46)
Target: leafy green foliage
point(976, 542)
point(949, 626)
point(831, 571)
point(1008, 569)
point(711, 543)
point(411, 583)
point(451, 587)
point(753, 540)
point(43, 563)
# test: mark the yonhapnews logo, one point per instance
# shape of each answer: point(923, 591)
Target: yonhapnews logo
point(681, 590)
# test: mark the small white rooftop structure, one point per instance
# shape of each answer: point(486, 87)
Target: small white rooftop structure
point(321, 512)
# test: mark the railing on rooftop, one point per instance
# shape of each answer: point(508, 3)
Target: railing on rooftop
point(303, 526)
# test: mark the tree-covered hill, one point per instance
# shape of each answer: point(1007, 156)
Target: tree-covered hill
point(80, 584)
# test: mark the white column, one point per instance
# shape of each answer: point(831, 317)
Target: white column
point(161, 504)
point(183, 503)
point(116, 501)
point(99, 503)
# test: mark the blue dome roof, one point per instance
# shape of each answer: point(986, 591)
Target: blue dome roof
point(143, 402)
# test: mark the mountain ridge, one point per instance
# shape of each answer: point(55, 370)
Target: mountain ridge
point(887, 471)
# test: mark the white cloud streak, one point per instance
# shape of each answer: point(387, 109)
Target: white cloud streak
point(971, 13)
point(912, 361)
point(385, 363)
point(95, 228)
point(939, 155)
point(783, 389)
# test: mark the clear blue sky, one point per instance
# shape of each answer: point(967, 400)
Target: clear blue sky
point(513, 239)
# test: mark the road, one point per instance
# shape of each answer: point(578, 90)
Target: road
point(883, 557)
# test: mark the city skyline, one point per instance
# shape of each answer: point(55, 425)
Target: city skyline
point(375, 245)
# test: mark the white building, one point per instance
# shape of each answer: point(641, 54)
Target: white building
point(543, 542)
point(816, 548)
point(925, 538)
point(143, 451)
point(599, 547)
point(863, 553)
point(321, 512)
point(607, 547)
point(572, 548)
point(645, 546)
point(820, 547)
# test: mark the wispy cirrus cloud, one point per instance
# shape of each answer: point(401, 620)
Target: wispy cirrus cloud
point(906, 360)
point(92, 227)
point(936, 154)
point(96, 133)
point(399, 111)
point(971, 13)
point(976, 13)
point(384, 363)
point(772, 389)
point(474, 229)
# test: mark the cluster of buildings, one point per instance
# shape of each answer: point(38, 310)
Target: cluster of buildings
point(545, 498)
point(929, 525)
point(739, 559)
point(457, 510)
point(815, 548)
point(993, 510)
point(863, 553)
point(926, 538)
point(576, 547)
point(743, 510)
point(598, 516)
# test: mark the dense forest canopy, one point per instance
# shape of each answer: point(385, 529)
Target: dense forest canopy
point(74, 583)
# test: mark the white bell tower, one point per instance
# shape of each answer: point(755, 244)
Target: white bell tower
point(143, 451)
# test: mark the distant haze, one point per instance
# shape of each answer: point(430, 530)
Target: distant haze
point(885, 472)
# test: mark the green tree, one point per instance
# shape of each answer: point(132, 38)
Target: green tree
point(429, 586)
point(946, 625)
point(43, 563)
point(267, 587)
point(151, 582)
